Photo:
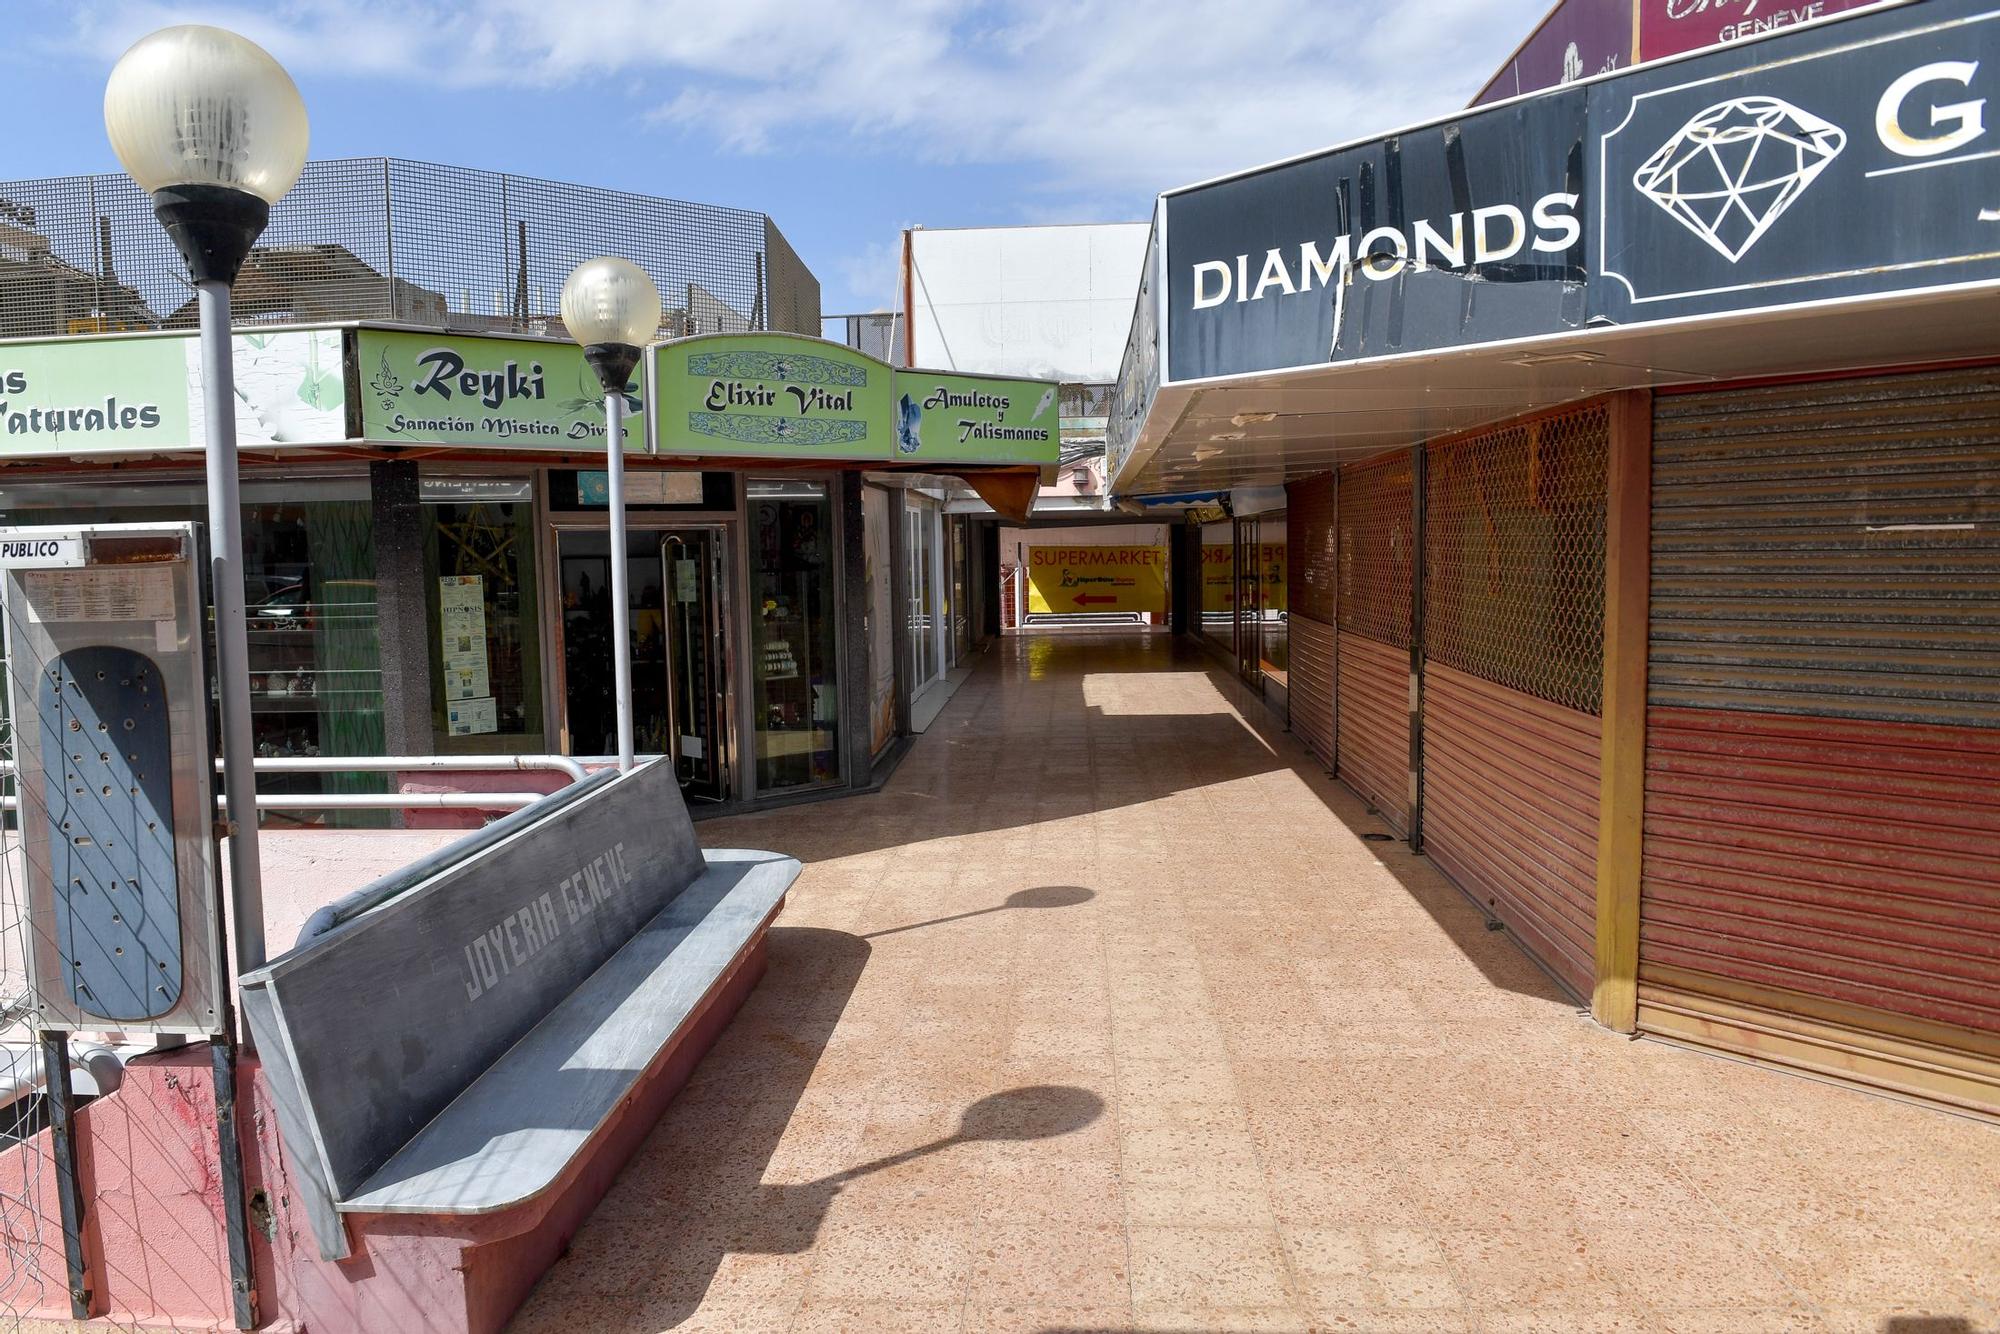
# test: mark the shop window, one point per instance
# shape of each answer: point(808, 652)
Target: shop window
point(1273, 613)
point(1218, 583)
point(483, 615)
point(309, 597)
point(961, 600)
point(881, 629)
point(794, 665)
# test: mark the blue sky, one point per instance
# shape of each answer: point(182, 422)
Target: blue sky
point(846, 120)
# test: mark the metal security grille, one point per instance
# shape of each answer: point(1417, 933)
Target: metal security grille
point(1514, 556)
point(1377, 545)
point(1821, 871)
point(388, 239)
point(1315, 566)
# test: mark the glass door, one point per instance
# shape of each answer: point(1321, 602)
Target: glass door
point(590, 714)
point(676, 584)
point(1249, 601)
point(926, 632)
point(691, 564)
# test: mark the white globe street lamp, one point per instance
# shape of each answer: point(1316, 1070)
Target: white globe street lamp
point(612, 307)
point(215, 131)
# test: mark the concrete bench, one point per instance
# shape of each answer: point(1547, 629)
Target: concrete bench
point(460, 1072)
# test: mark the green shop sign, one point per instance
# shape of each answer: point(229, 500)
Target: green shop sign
point(143, 394)
point(453, 389)
point(943, 418)
point(771, 395)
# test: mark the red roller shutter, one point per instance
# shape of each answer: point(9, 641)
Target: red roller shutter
point(1821, 873)
point(1377, 558)
point(1514, 525)
point(1312, 579)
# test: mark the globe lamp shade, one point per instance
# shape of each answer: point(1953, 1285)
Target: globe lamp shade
point(611, 304)
point(212, 127)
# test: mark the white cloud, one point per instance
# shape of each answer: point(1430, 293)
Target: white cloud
point(1098, 98)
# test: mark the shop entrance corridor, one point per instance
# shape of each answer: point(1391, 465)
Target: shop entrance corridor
point(1109, 1013)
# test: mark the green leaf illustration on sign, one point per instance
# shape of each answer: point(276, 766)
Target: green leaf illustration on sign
point(776, 430)
point(788, 367)
point(320, 388)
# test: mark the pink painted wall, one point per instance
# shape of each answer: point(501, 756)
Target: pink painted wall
point(305, 869)
point(147, 1163)
point(501, 780)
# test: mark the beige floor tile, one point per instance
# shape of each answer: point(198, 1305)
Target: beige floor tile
point(1553, 1269)
point(1064, 1319)
point(819, 1316)
point(1293, 1086)
point(871, 1256)
point(1190, 1268)
point(1206, 1320)
point(1040, 1265)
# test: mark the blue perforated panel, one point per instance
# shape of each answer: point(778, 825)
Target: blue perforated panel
point(107, 773)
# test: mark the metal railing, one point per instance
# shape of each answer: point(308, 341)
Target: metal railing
point(389, 801)
point(389, 239)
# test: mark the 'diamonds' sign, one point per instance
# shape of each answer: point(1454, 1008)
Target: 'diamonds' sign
point(1854, 158)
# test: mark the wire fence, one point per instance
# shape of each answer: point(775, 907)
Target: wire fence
point(389, 239)
point(24, 1213)
point(1514, 556)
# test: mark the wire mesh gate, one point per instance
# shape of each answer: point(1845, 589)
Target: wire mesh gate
point(1512, 675)
point(1377, 562)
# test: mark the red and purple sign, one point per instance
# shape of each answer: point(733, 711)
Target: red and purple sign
point(1579, 38)
point(1669, 27)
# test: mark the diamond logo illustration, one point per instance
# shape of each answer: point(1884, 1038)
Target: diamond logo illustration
point(1733, 169)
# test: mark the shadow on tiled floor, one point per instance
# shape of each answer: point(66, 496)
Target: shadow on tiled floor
point(1226, 1066)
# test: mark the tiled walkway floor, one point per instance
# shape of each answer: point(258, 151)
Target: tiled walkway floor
point(1104, 1016)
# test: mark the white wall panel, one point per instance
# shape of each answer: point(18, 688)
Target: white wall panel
point(1047, 302)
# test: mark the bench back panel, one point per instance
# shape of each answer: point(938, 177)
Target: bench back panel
point(381, 1023)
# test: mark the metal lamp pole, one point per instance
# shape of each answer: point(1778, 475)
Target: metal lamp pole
point(232, 641)
point(212, 127)
point(612, 307)
point(621, 610)
point(215, 131)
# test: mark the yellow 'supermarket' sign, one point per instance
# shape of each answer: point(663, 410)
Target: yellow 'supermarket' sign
point(1097, 579)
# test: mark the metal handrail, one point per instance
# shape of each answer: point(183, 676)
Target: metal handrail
point(373, 895)
point(311, 764)
point(389, 801)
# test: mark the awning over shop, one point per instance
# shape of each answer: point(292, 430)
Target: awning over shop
point(1824, 198)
